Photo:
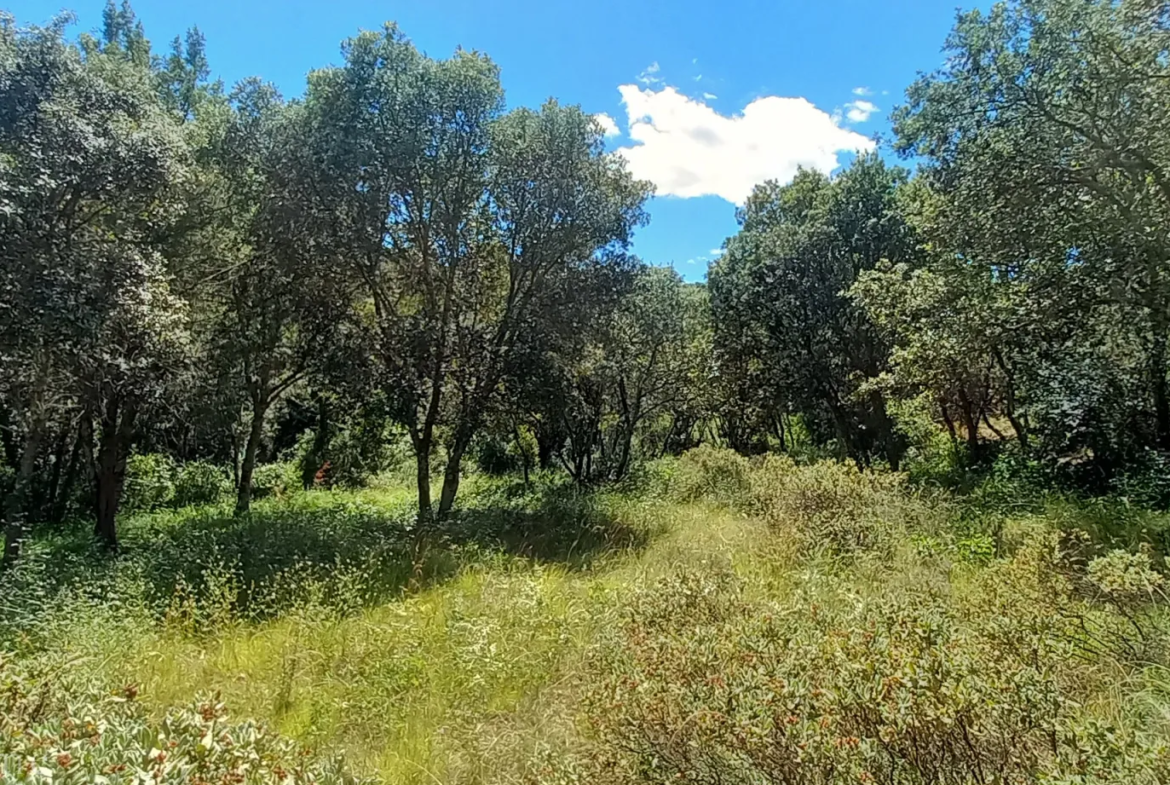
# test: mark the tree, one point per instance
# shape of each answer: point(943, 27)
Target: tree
point(1043, 136)
point(87, 167)
point(267, 310)
point(453, 218)
point(780, 300)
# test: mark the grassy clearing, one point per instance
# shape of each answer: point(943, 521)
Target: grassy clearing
point(551, 636)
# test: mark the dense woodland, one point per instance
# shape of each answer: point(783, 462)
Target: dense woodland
point(211, 294)
point(396, 263)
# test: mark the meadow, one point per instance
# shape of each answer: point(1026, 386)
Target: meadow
point(712, 619)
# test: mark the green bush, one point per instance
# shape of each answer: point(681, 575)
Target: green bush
point(55, 729)
point(700, 685)
point(832, 505)
point(200, 482)
point(494, 458)
point(714, 473)
point(275, 479)
point(150, 482)
point(1146, 481)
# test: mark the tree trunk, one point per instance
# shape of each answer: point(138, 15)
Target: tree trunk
point(1017, 424)
point(548, 443)
point(315, 459)
point(114, 446)
point(970, 424)
point(892, 442)
point(422, 457)
point(61, 498)
point(14, 505)
point(949, 422)
point(12, 450)
point(248, 467)
point(48, 496)
point(451, 475)
point(991, 427)
point(1158, 389)
point(525, 458)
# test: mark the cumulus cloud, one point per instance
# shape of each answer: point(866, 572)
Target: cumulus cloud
point(608, 126)
point(709, 96)
point(859, 111)
point(862, 91)
point(716, 252)
point(687, 149)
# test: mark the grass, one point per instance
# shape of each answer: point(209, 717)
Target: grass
point(312, 616)
point(462, 682)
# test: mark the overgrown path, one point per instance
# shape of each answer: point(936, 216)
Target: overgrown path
point(461, 682)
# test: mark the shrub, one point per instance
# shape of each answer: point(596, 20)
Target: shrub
point(1146, 480)
point(715, 473)
point(200, 482)
point(275, 479)
point(150, 482)
point(53, 729)
point(832, 505)
point(494, 458)
point(699, 685)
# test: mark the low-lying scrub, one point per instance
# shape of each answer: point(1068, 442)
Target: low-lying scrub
point(58, 729)
point(714, 619)
point(700, 685)
point(824, 506)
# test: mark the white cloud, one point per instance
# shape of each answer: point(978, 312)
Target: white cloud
point(859, 111)
point(647, 77)
point(716, 252)
point(862, 91)
point(608, 126)
point(709, 96)
point(688, 149)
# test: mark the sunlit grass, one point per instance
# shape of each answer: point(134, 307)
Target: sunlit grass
point(304, 616)
point(464, 681)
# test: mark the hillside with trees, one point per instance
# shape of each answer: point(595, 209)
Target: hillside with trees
point(344, 438)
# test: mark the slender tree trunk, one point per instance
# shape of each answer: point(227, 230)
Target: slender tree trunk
point(248, 467)
point(990, 426)
point(320, 443)
point(546, 446)
point(1158, 389)
point(15, 505)
point(49, 495)
point(525, 458)
point(949, 422)
point(114, 446)
point(422, 457)
point(12, 450)
point(970, 424)
point(892, 442)
point(1018, 425)
point(65, 492)
point(451, 474)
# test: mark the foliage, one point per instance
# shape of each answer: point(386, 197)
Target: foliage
point(55, 729)
point(199, 482)
point(778, 297)
point(700, 684)
point(276, 479)
point(150, 482)
point(712, 473)
point(830, 504)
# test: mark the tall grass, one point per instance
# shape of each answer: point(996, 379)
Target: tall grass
point(549, 635)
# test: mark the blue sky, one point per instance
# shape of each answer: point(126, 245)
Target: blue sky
point(705, 98)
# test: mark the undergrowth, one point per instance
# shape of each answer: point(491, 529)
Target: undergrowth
point(714, 619)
